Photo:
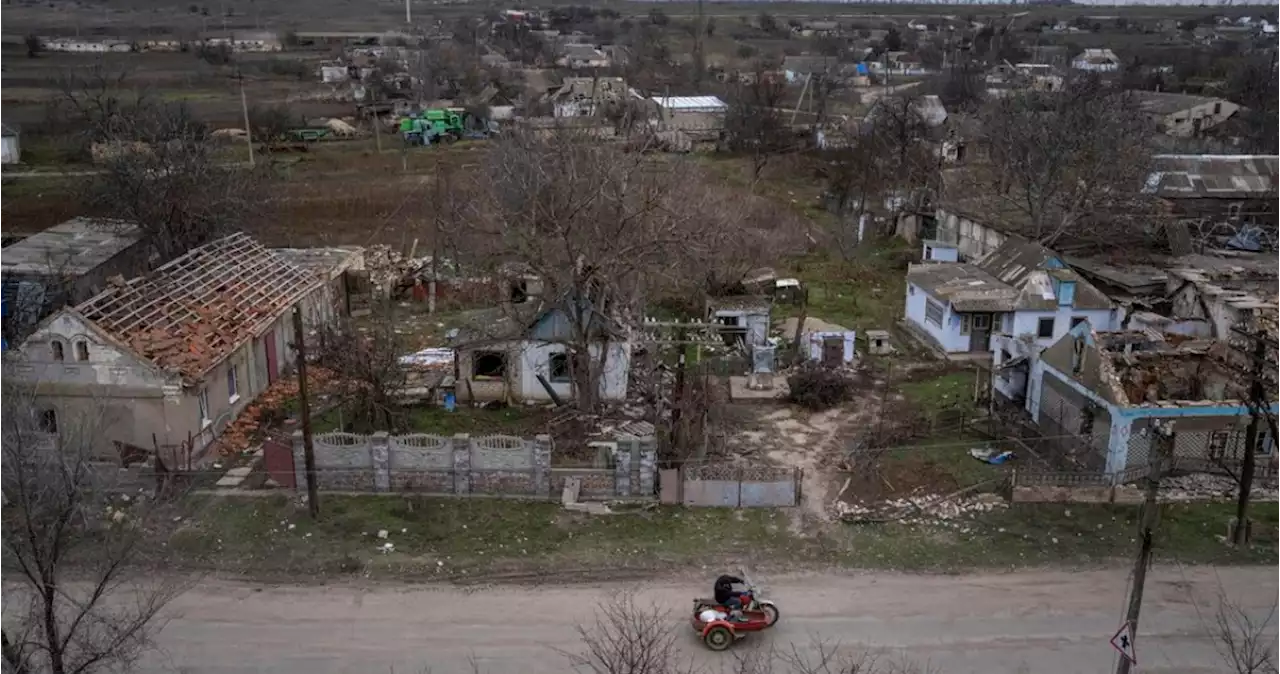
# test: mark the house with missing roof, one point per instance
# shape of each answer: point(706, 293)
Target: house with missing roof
point(1100, 396)
point(1009, 303)
point(168, 359)
point(508, 352)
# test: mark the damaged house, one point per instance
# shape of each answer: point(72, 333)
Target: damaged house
point(1018, 297)
point(1103, 392)
point(521, 353)
point(586, 96)
point(66, 264)
point(170, 358)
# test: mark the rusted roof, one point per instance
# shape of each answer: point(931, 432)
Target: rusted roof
point(196, 310)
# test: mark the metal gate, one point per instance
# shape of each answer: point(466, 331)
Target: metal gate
point(721, 485)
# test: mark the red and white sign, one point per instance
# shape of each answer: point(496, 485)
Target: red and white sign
point(1123, 642)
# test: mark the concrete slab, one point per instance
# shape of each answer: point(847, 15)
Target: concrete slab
point(740, 392)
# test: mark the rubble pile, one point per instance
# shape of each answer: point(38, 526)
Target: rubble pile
point(1208, 487)
point(923, 509)
point(241, 433)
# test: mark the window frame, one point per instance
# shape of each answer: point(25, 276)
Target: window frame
point(202, 402)
point(1077, 320)
point(966, 324)
point(58, 350)
point(48, 421)
point(1052, 323)
point(477, 356)
point(930, 303)
point(985, 317)
point(81, 347)
point(233, 384)
point(563, 378)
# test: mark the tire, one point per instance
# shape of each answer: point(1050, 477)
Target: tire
point(771, 612)
point(718, 638)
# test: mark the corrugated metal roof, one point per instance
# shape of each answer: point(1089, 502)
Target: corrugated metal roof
point(690, 102)
point(1218, 176)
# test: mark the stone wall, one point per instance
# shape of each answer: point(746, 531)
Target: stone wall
point(464, 465)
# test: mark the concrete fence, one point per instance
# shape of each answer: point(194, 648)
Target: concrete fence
point(464, 465)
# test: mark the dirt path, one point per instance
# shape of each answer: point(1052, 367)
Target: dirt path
point(1047, 622)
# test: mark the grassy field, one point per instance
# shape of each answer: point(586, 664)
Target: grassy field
point(468, 538)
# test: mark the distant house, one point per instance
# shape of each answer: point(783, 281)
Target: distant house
point(86, 46)
point(819, 28)
point(10, 144)
point(170, 358)
point(583, 96)
point(1183, 115)
point(502, 353)
point(1241, 188)
point(1097, 61)
point(1020, 291)
point(584, 56)
point(796, 68)
point(161, 45)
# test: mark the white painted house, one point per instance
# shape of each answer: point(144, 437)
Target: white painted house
point(1096, 61)
point(504, 352)
point(1021, 292)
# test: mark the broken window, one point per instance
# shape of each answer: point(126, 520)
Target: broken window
point(1077, 320)
point(203, 399)
point(519, 291)
point(560, 367)
point(82, 350)
point(933, 312)
point(488, 365)
point(1045, 327)
point(233, 383)
point(49, 421)
point(57, 348)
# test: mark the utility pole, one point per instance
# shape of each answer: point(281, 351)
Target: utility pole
point(1258, 409)
point(1161, 450)
point(304, 405)
point(244, 106)
point(408, 12)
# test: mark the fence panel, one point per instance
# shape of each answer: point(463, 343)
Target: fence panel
point(741, 487)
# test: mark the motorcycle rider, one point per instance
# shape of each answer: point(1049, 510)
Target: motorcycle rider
point(729, 597)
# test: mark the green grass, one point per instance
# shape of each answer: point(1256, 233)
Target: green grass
point(252, 535)
point(459, 538)
point(864, 293)
point(946, 391)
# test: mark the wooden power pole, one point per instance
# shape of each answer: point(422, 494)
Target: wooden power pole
point(1161, 451)
point(304, 405)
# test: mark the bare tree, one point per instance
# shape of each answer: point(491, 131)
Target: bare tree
point(162, 172)
point(81, 606)
point(1243, 639)
point(369, 376)
point(754, 124)
point(626, 637)
point(161, 169)
point(1070, 163)
point(591, 222)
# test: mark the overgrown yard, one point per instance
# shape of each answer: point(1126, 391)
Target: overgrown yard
point(472, 538)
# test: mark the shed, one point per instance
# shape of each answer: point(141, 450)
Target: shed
point(827, 343)
point(10, 148)
point(746, 318)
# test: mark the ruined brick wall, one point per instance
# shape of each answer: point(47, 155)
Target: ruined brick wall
point(596, 483)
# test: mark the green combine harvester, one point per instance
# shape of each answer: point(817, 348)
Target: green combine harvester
point(446, 125)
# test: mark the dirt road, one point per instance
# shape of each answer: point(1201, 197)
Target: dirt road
point(1045, 622)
